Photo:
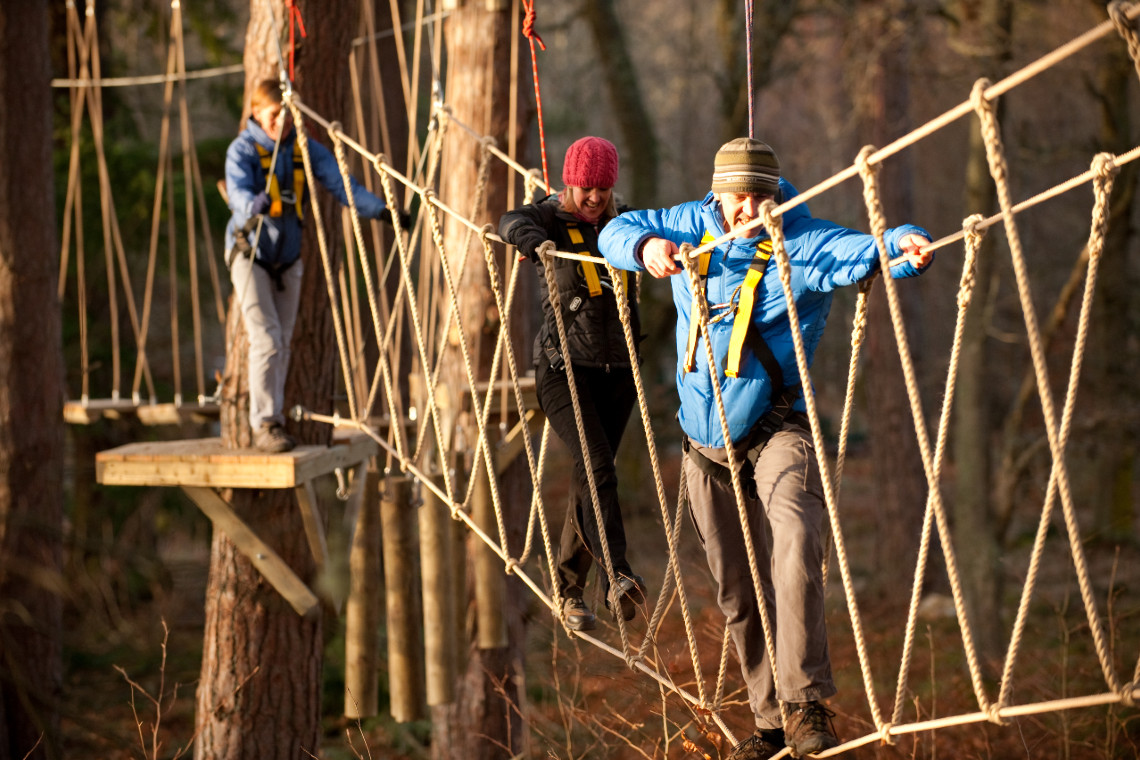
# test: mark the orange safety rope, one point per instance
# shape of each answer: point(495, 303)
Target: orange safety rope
point(294, 15)
point(532, 36)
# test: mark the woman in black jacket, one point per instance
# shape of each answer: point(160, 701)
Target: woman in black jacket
point(599, 364)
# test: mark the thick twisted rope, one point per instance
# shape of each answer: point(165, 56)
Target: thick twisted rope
point(702, 314)
point(674, 564)
point(545, 252)
point(995, 153)
point(974, 237)
point(291, 99)
point(1102, 188)
point(774, 225)
point(869, 172)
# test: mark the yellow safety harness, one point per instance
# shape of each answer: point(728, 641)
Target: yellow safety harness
point(743, 331)
point(589, 269)
point(275, 200)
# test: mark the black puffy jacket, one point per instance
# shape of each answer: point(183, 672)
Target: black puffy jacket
point(593, 326)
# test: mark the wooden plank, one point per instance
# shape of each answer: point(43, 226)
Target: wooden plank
point(176, 414)
point(514, 445)
point(268, 562)
point(205, 462)
point(314, 526)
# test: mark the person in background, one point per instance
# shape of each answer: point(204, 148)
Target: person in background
point(595, 358)
point(769, 435)
point(263, 246)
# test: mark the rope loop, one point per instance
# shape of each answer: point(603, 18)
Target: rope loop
point(510, 565)
point(528, 24)
point(973, 233)
point(993, 715)
point(978, 96)
point(772, 222)
point(1104, 165)
point(487, 142)
point(335, 130)
point(545, 251)
point(633, 659)
point(1127, 694)
point(1118, 11)
point(863, 161)
point(486, 231)
point(885, 735)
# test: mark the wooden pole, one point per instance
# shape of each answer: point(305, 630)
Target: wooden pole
point(405, 665)
point(438, 593)
point(362, 613)
point(490, 580)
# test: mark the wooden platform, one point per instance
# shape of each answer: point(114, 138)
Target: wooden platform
point(201, 466)
point(207, 463)
point(93, 410)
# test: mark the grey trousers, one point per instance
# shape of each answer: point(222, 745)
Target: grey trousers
point(269, 315)
point(785, 522)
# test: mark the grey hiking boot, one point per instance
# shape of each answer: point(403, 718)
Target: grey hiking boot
point(272, 439)
point(625, 594)
point(577, 615)
point(808, 729)
point(762, 745)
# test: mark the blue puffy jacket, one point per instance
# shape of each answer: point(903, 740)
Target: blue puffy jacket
point(823, 256)
point(279, 243)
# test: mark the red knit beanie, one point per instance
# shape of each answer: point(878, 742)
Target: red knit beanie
point(590, 162)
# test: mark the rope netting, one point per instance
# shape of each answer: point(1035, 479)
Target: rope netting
point(85, 85)
point(426, 308)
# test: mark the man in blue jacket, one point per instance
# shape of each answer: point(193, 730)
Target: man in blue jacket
point(263, 246)
point(770, 436)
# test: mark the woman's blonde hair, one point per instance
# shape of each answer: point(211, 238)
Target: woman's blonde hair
point(570, 207)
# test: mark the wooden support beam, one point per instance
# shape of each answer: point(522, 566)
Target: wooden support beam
point(490, 580)
point(514, 445)
point(362, 613)
point(268, 563)
point(439, 605)
point(314, 526)
point(405, 655)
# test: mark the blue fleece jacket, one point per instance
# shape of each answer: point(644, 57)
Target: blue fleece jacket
point(823, 256)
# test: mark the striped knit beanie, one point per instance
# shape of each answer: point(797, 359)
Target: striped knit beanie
point(745, 165)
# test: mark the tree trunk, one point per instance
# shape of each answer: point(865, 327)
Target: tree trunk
point(1111, 450)
point(900, 482)
point(974, 533)
point(485, 721)
point(772, 19)
point(31, 396)
point(260, 690)
point(627, 105)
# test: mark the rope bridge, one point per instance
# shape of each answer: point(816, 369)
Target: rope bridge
point(430, 314)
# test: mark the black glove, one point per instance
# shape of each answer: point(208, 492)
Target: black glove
point(404, 216)
point(259, 205)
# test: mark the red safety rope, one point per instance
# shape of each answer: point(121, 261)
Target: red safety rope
point(532, 36)
point(294, 15)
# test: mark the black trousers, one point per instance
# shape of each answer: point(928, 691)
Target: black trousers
point(606, 399)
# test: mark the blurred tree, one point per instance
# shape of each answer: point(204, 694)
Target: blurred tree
point(483, 721)
point(626, 102)
point(1110, 471)
point(773, 20)
point(260, 688)
point(983, 31)
point(900, 483)
point(31, 397)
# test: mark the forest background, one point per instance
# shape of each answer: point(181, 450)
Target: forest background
point(666, 82)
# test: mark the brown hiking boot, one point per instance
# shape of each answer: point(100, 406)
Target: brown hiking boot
point(762, 745)
point(626, 593)
point(272, 439)
point(577, 615)
point(808, 729)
